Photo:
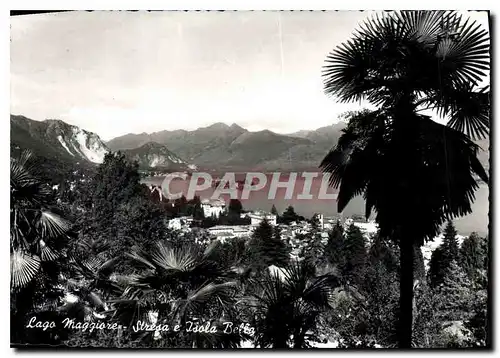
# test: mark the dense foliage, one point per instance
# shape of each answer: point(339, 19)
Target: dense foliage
point(95, 247)
point(405, 64)
point(130, 268)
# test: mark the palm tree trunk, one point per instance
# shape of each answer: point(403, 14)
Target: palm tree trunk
point(406, 293)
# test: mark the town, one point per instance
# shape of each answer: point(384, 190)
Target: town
point(247, 179)
point(290, 230)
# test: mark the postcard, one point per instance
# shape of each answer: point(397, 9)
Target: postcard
point(250, 179)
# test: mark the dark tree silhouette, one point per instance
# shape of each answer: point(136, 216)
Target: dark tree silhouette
point(354, 251)
point(266, 247)
point(289, 215)
point(403, 63)
point(334, 246)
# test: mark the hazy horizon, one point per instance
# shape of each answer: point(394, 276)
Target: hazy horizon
point(118, 72)
point(161, 130)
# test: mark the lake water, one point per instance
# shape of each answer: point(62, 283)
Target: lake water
point(477, 221)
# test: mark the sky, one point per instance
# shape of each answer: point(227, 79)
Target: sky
point(116, 72)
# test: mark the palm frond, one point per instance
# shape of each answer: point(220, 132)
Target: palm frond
point(356, 156)
point(46, 253)
point(176, 259)
point(220, 294)
point(468, 110)
point(96, 301)
point(427, 26)
point(52, 225)
point(25, 167)
point(466, 58)
point(211, 249)
point(138, 257)
point(23, 268)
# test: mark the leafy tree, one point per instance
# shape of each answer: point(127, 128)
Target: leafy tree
point(194, 209)
point(198, 212)
point(451, 314)
point(274, 211)
point(232, 252)
point(450, 243)
point(289, 216)
point(477, 322)
point(354, 251)
point(391, 63)
point(313, 246)
point(443, 256)
point(383, 251)
point(453, 299)
point(266, 247)
point(119, 210)
point(232, 219)
point(277, 249)
point(181, 206)
point(315, 223)
point(426, 324)
point(379, 286)
point(138, 222)
point(436, 273)
point(334, 246)
point(473, 256)
point(235, 207)
point(209, 222)
point(367, 315)
point(115, 182)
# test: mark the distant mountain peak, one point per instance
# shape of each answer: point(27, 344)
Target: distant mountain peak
point(267, 132)
point(218, 125)
point(155, 155)
point(55, 120)
point(54, 138)
point(236, 126)
point(152, 145)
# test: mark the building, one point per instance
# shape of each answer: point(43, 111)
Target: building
point(226, 231)
point(175, 224)
point(186, 220)
point(369, 228)
point(321, 220)
point(257, 217)
point(213, 208)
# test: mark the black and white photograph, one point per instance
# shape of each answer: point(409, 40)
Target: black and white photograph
point(250, 179)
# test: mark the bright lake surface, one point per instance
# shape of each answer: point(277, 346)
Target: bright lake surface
point(477, 221)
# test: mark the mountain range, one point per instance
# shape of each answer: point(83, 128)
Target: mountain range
point(216, 147)
point(57, 140)
point(231, 146)
point(54, 138)
point(154, 155)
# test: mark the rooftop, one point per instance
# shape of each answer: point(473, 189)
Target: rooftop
point(215, 202)
point(229, 227)
point(260, 214)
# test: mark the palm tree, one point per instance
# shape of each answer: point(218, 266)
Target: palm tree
point(90, 283)
point(288, 304)
point(177, 285)
point(37, 244)
point(35, 228)
point(404, 163)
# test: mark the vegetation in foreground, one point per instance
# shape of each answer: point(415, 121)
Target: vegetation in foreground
point(108, 257)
